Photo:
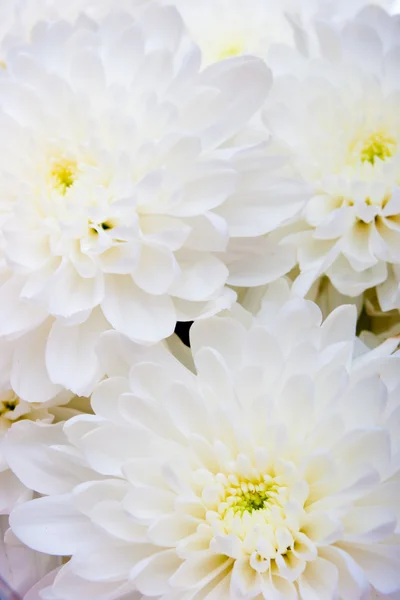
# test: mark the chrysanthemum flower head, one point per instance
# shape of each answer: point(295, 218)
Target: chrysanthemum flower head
point(336, 116)
point(110, 176)
point(272, 471)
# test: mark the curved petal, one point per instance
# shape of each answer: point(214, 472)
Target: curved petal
point(29, 375)
point(18, 314)
point(202, 275)
point(71, 358)
point(70, 293)
point(156, 271)
point(140, 316)
point(66, 529)
point(31, 451)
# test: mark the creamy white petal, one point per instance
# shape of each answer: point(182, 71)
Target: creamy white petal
point(71, 359)
point(141, 316)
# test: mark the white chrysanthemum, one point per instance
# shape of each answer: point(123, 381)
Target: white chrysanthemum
point(23, 570)
point(337, 117)
point(226, 28)
point(108, 195)
point(272, 472)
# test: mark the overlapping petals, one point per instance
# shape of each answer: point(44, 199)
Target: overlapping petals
point(270, 472)
point(108, 196)
point(342, 135)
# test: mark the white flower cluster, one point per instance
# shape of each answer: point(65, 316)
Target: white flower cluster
point(232, 168)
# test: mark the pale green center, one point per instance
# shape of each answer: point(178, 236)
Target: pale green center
point(247, 497)
point(233, 50)
point(378, 145)
point(63, 174)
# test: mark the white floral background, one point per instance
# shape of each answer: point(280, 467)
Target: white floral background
point(200, 299)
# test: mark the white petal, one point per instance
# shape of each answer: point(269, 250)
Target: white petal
point(243, 84)
point(352, 581)
point(225, 336)
point(208, 186)
point(65, 528)
point(147, 503)
point(202, 275)
point(254, 213)
point(380, 562)
point(339, 326)
point(319, 581)
point(12, 491)
point(209, 233)
point(70, 293)
point(166, 231)
point(35, 592)
point(253, 262)
point(108, 447)
point(87, 73)
point(169, 531)
point(109, 562)
point(154, 579)
point(142, 317)
point(200, 570)
point(156, 271)
point(69, 586)
point(363, 403)
point(369, 524)
point(71, 359)
point(186, 409)
point(31, 453)
point(105, 396)
point(29, 376)
point(296, 403)
point(17, 314)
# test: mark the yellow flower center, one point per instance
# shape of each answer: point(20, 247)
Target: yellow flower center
point(63, 174)
point(233, 50)
point(246, 496)
point(378, 145)
point(8, 403)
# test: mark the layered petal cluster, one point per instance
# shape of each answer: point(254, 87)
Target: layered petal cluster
point(110, 180)
point(269, 471)
point(342, 133)
point(19, 18)
point(14, 409)
point(321, 292)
